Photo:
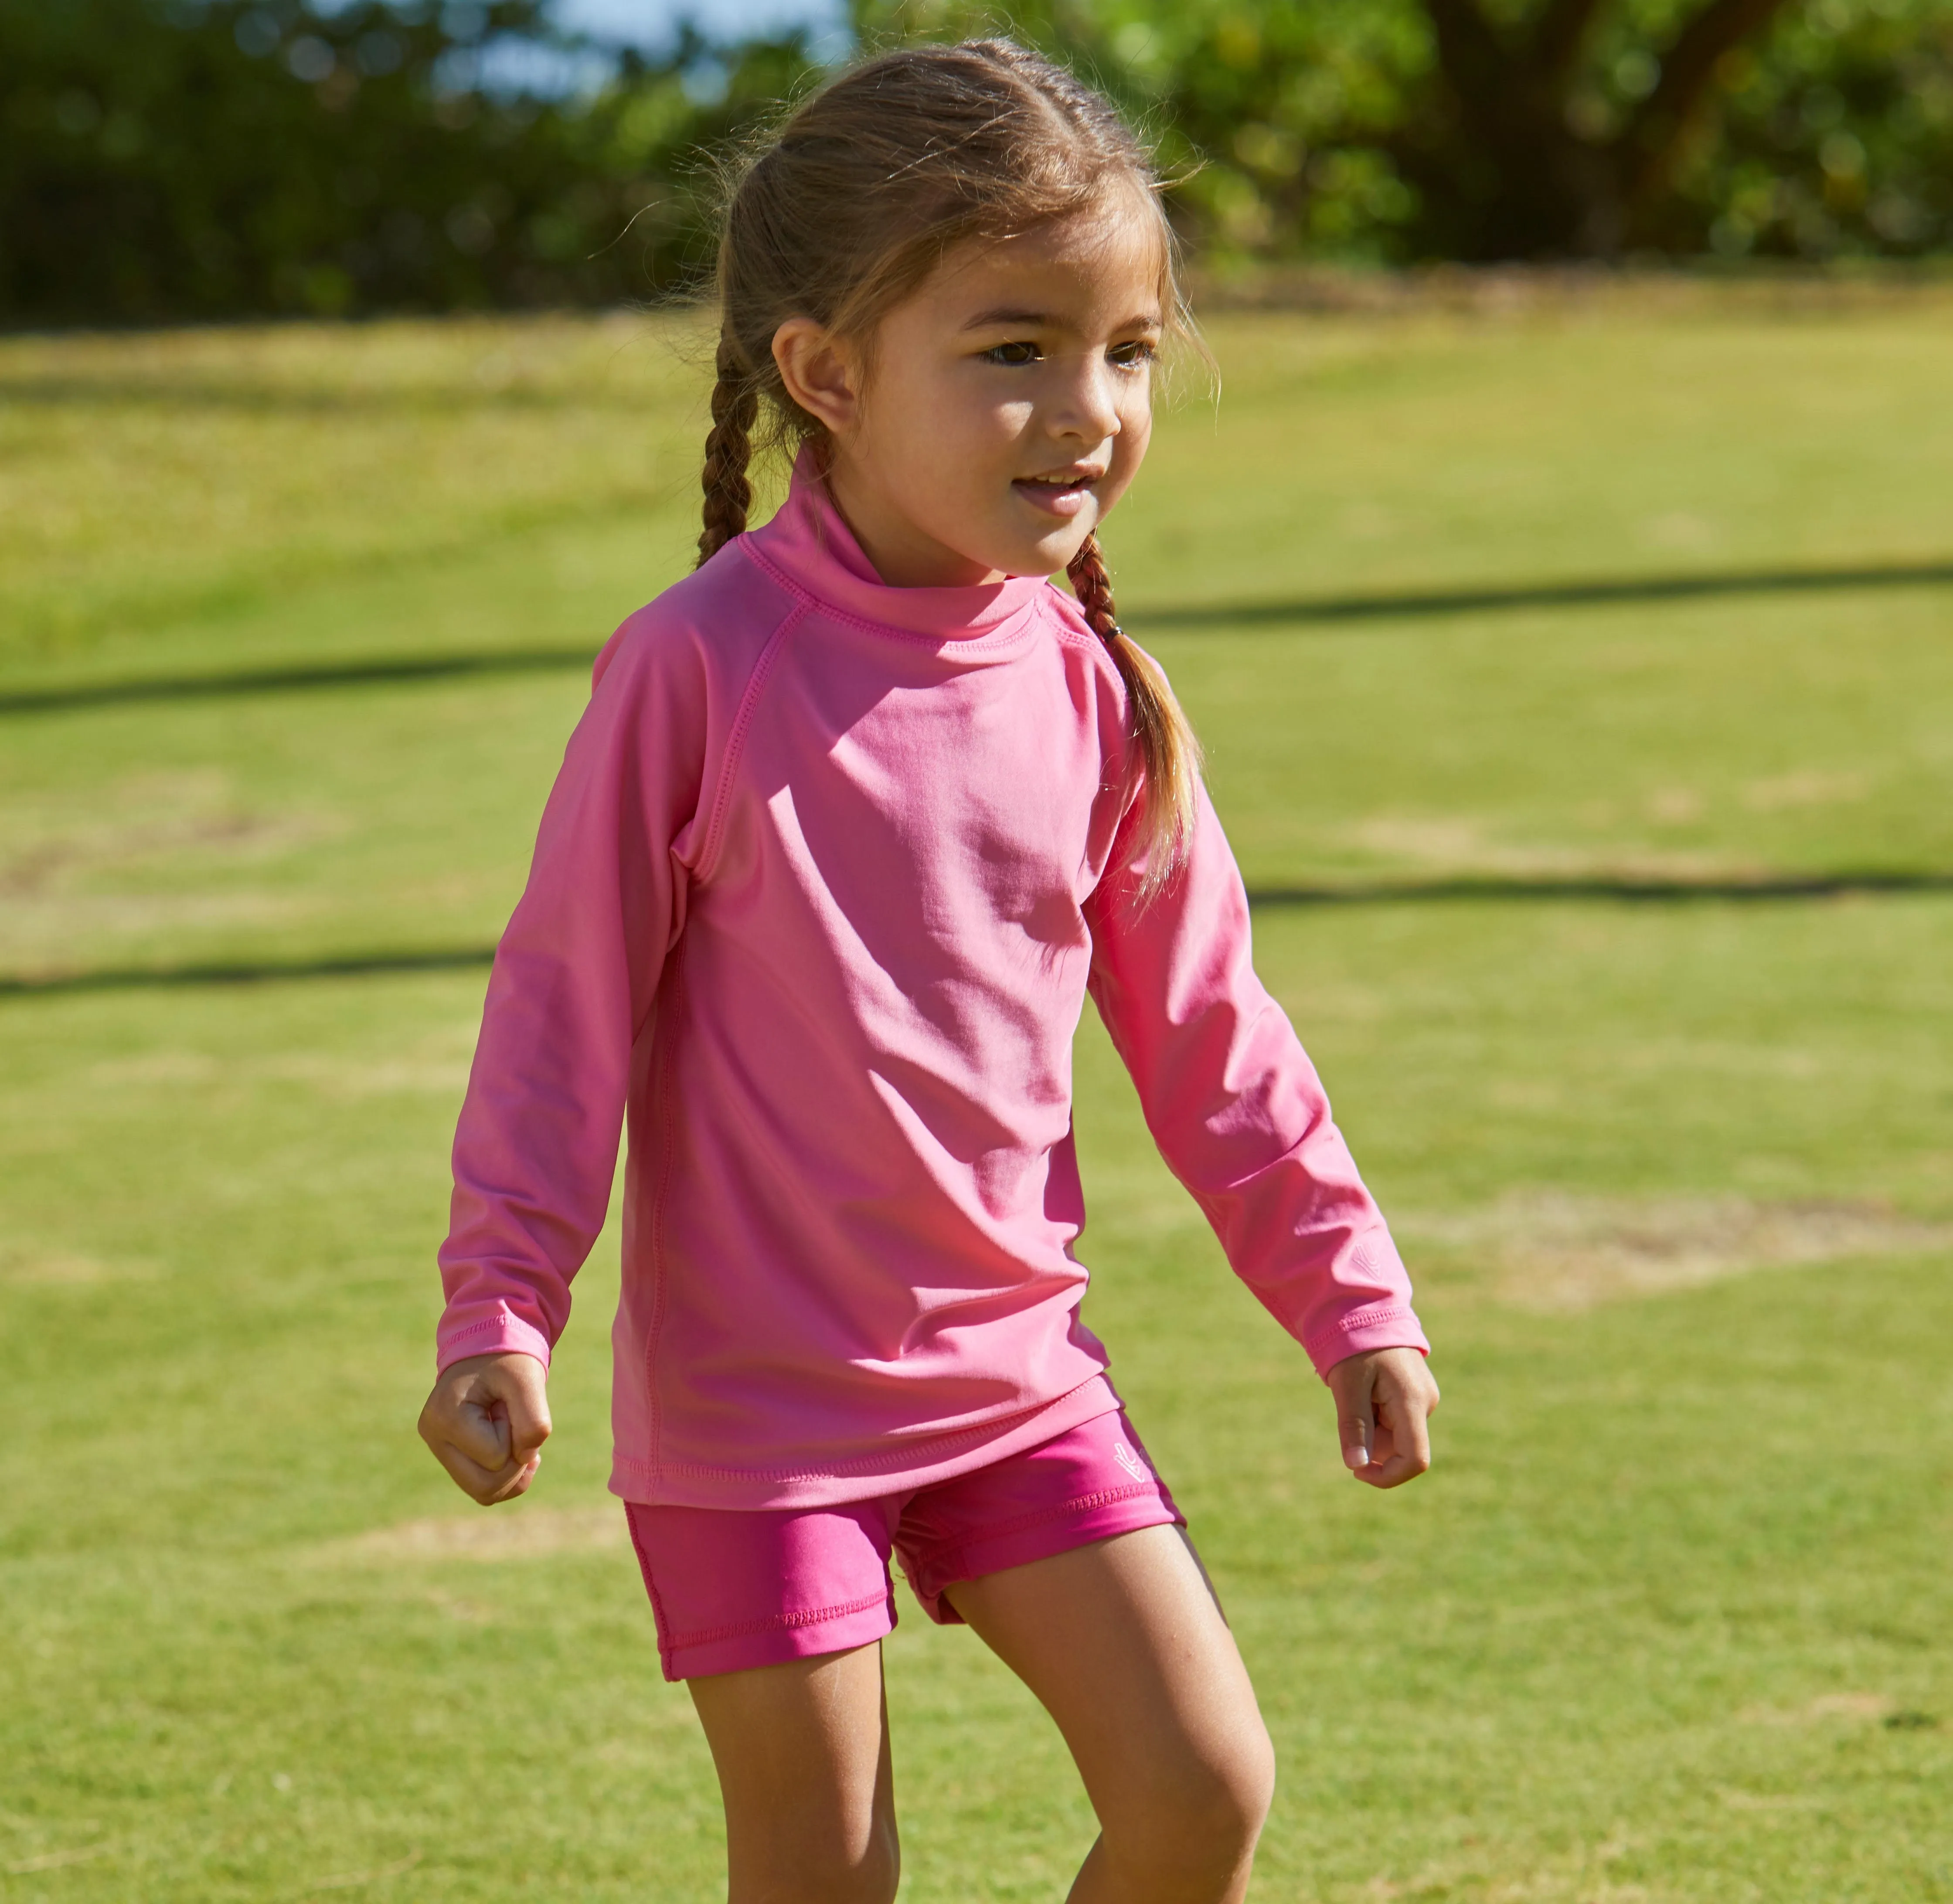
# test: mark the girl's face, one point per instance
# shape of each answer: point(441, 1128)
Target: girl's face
point(1004, 408)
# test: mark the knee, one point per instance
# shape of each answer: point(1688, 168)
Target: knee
point(869, 1873)
point(1200, 1811)
point(877, 1876)
point(883, 1876)
point(1230, 1798)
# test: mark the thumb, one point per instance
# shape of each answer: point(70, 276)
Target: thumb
point(1356, 1425)
point(522, 1389)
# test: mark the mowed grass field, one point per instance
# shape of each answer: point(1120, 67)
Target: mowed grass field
point(1578, 685)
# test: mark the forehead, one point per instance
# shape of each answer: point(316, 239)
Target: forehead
point(1105, 266)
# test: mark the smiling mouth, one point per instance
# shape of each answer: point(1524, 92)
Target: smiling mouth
point(1064, 482)
point(1063, 493)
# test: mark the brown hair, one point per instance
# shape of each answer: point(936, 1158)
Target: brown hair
point(845, 209)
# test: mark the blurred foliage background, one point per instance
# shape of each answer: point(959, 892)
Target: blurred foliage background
point(169, 159)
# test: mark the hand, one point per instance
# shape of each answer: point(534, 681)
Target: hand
point(486, 1421)
point(1383, 1400)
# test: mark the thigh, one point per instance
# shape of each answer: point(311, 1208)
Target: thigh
point(802, 1753)
point(1124, 1645)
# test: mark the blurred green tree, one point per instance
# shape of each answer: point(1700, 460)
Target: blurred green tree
point(1837, 136)
point(165, 159)
point(1502, 128)
point(174, 158)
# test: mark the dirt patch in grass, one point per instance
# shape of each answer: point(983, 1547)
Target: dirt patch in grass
point(491, 1534)
point(1826, 1706)
point(141, 819)
point(49, 1266)
point(436, 1066)
point(1456, 844)
point(48, 863)
point(1559, 1253)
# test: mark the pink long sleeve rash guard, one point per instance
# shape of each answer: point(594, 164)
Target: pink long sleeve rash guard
point(828, 871)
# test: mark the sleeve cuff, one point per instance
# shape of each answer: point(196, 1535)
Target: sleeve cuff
point(499, 1333)
point(1382, 1325)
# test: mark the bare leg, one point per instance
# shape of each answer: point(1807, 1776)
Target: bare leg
point(802, 1751)
point(1123, 1643)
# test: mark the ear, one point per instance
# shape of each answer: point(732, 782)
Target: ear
point(821, 374)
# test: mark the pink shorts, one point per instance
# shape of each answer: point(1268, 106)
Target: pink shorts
point(731, 1590)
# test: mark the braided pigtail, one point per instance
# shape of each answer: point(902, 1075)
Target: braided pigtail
point(1169, 755)
point(728, 448)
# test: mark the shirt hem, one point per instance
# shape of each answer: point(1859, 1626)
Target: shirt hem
point(895, 1471)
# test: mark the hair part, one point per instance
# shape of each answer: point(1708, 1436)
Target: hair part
point(847, 207)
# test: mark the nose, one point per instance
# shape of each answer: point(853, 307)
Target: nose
point(1088, 407)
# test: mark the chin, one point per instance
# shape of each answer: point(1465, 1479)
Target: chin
point(1047, 554)
point(1061, 548)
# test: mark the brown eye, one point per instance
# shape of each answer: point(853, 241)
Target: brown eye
point(1015, 354)
point(1132, 356)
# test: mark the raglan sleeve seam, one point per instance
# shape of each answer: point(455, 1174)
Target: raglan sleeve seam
point(721, 777)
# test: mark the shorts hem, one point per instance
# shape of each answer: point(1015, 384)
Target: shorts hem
point(776, 1642)
point(771, 1642)
point(1083, 1523)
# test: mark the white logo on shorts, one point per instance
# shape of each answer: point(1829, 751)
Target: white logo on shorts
point(1130, 1462)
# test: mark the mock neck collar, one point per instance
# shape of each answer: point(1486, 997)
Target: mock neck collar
point(808, 539)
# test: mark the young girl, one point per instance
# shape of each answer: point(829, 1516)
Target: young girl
point(858, 814)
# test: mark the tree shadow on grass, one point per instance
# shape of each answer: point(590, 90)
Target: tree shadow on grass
point(377, 671)
point(1306, 611)
point(1780, 888)
point(352, 965)
point(1867, 883)
point(1598, 592)
point(294, 398)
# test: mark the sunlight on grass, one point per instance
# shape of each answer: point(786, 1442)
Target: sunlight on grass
point(1668, 1623)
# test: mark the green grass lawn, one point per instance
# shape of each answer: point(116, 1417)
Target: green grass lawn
point(1668, 1621)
